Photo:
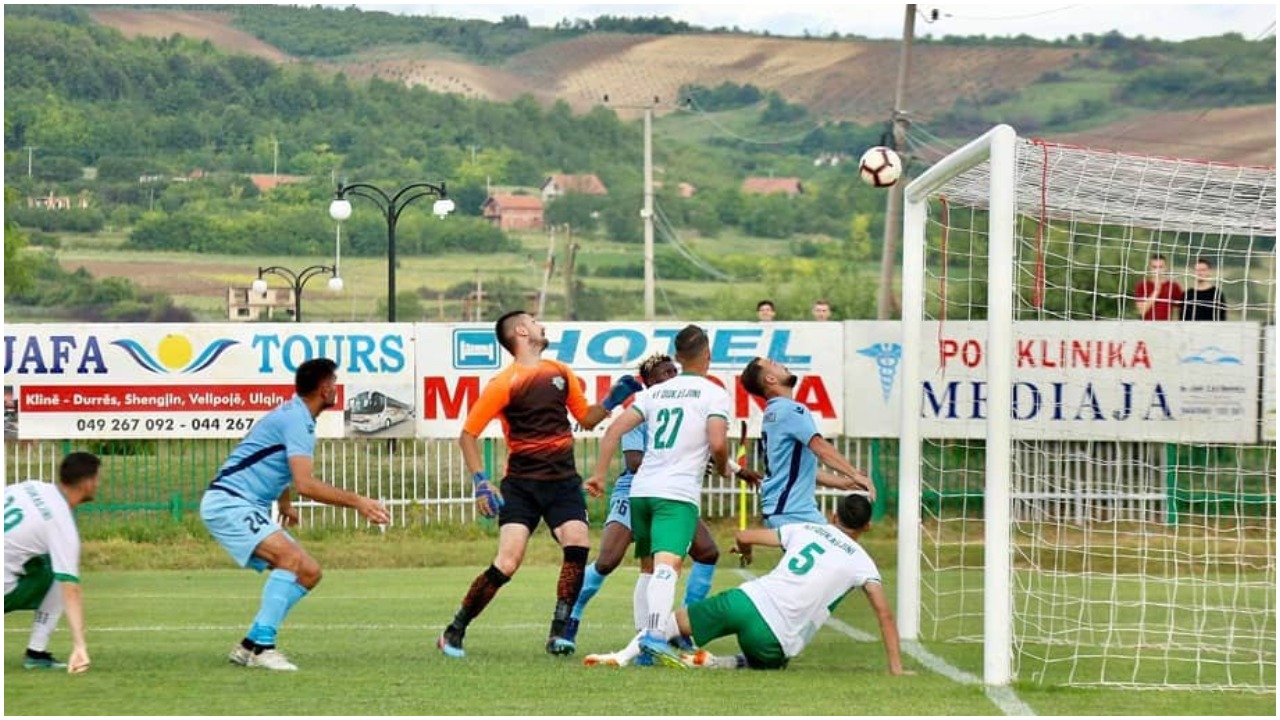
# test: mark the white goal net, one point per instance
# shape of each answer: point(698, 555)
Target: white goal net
point(1115, 523)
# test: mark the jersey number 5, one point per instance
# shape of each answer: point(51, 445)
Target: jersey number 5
point(668, 428)
point(803, 563)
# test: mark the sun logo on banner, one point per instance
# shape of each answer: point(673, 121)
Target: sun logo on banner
point(174, 354)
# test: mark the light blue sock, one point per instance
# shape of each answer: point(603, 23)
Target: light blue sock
point(279, 595)
point(699, 584)
point(591, 582)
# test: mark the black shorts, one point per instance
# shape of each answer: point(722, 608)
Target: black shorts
point(555, 501)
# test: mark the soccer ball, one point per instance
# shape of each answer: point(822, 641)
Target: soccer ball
point(880, 167)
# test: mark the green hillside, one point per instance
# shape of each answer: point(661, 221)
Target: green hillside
point(159, 136)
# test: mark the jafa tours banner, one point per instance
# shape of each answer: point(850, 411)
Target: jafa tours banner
point(196, 380)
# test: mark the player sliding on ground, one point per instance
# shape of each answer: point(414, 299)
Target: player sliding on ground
point(775, 616)
point(686, 420)
point(655, 370)
point(42, 558)
point(541, 483)
point(793, 447)
point(237, 507)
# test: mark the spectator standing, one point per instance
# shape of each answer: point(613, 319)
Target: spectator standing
point(1204, 300)
point(1158, 296)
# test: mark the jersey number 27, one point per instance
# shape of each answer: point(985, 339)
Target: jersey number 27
point(668, 428)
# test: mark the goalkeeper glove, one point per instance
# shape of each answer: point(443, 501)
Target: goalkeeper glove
point(626, 386)
point(488, 497)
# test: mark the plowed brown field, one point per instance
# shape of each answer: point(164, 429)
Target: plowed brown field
point(836, 80)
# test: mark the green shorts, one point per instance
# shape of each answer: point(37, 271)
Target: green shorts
point(732, 613)
point(662, 525)
point(33, 585)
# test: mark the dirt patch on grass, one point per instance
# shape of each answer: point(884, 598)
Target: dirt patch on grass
point(211, 26)
point(1242, 135)
point(168, 276)
point(848, 80)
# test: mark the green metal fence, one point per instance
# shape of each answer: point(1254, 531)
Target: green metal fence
point(159, 482)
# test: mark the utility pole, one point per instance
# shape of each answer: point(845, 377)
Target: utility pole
point(647, 214)
point(275, 157)
point(547, 269)
point(30, 149)
point(886, 301)
point(570, 254)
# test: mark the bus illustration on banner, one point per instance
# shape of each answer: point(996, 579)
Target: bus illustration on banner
point(372, 411)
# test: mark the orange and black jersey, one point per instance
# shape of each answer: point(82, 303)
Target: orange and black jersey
point(531, 403)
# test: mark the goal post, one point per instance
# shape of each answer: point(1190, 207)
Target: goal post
point(1115, 524)
point(995, 149)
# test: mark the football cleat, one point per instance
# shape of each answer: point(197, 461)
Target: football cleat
point(240, 655)
point(560, 646)
point(41, 661)
point(699, 658)
point(661, 651)
point(271, 659)
point(451, 646)
point(605, 660)
point(570, 630)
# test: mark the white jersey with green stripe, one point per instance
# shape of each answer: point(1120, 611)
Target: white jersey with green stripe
point(38, 521)
point(676, 414)
point(820, 565)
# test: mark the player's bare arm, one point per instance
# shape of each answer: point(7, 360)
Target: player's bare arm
point(288, 514)
point(828, 455)
point(470, 446)
point(593, 417)
point(73, 601)
point(308, 485)
point(620, 392)
point(745, 540)
point(888, 628)
point(718, 442)
point(608, 446)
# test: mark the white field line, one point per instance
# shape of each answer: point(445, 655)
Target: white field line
point(1003, 697)
point(318, 627)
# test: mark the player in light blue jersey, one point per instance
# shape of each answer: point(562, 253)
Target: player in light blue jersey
point(237, 507)
point(655, 369)
point(793, 448)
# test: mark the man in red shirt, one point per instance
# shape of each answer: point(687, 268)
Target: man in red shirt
point(1159, 298)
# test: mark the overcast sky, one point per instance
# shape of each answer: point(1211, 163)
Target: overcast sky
point(1043, 20)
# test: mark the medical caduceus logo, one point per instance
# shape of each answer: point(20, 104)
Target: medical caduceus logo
point(887, 357)
point(174, 354)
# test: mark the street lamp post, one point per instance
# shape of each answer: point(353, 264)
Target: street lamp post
point(391, 207)
point(298, 280)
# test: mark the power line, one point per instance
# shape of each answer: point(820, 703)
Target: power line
point(668, 231)
point(692, 107)
point(1022, 16)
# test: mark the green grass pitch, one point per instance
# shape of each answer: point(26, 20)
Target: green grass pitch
point(364, 641)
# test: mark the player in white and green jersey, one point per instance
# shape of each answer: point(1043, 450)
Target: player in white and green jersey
point(42, 557)
point(775, 616)
point(687, 420)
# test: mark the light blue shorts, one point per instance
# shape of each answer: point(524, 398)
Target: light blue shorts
point(774, 522)
point(238, 525)
point(620, 503)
